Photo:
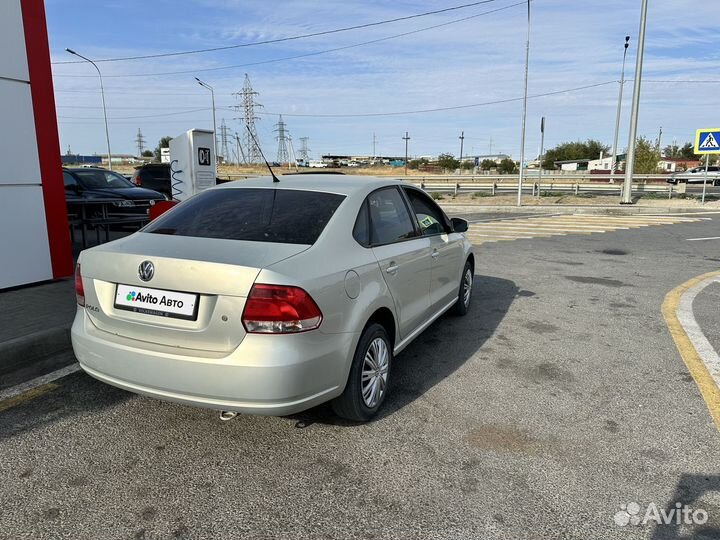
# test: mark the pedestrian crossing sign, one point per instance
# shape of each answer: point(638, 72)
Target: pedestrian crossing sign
point(707, 141)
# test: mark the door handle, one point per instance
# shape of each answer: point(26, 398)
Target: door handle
point(435, 254)
point(392, 269)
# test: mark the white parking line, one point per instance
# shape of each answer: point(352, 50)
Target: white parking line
point(38, 381)
point(687, 319)
point(708, 238)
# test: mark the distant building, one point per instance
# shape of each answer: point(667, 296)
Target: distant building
point(602, 164)
point(671, 165)
point(497, 158)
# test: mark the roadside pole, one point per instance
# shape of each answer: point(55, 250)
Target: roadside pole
point(630, 161)
point(524, 116)
point(542, 151)
point(707, 163)
point(617, 116)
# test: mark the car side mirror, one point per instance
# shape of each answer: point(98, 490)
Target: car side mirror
point(459, 225)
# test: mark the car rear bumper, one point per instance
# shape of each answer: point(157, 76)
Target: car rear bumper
point(266, 374)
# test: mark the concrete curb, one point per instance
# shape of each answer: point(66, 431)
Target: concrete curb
point(582, 209)
point(35, 354)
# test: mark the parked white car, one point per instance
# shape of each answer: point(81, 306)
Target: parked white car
point(270, 298)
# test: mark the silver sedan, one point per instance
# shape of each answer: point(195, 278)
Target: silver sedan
point(270, 298)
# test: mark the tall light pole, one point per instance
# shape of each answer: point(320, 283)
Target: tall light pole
point(462, 140)
point(542, 151)
point(630, 161)
point(406, 138)
point(102, 94)
point(212, 96)
point(524, 115)
point(613, 162)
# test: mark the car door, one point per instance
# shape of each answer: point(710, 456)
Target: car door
point(446, 248)
point(403, 255)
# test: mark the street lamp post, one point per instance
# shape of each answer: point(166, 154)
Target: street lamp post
point(613, 162)
point(212, 96)
point(630, 161)
point(524, 115)
point(102, 94)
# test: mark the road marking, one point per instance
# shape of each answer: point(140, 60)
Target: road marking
point(15, 395)
point(708, 238)
point(515, 228)
point(700, 358)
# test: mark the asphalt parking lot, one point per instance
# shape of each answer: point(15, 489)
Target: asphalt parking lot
point(559, 398)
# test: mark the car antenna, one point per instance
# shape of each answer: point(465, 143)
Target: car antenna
point(275, 178)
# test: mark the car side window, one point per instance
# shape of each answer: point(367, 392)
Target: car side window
point(361, 231)
point(389, 217)
point(69, 180)
point(428, 214)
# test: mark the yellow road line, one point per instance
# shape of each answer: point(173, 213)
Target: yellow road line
point(706, 384)
point(27, 396)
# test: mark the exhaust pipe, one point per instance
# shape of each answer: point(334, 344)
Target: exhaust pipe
point(226, 416)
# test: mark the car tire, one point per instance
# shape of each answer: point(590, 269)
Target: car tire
point(374, 353)
point(462, 305)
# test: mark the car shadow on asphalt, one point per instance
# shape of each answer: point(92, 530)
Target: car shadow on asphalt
point(74, 395)
point(694, 491)
point(438, 352)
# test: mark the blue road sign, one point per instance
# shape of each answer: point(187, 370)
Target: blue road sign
point(707, 141)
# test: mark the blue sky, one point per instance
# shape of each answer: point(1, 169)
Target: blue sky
point(574, 43)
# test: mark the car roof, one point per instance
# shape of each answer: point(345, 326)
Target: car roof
point(341, 184)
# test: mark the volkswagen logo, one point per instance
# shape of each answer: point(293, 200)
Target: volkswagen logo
point(146, 270)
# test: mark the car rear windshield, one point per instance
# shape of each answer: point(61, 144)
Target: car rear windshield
point(285, 216)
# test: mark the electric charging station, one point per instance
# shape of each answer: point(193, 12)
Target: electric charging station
point(192, 163)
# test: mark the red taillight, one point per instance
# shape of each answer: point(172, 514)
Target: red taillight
point(280, 309)
point(79, 290)
point(136, 179)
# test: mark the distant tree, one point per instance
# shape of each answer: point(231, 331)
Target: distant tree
point(671, 151)
point(467, 165)
point(507, 166)
point(148, 153)
point(417, 163)
point(487, 164)
point(568, 151)
point(448, 162)
point(164, 142)
point(647, 157)
point(688, 151)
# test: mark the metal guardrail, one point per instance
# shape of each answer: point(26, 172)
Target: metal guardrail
point(533, 184)
point(577, 188)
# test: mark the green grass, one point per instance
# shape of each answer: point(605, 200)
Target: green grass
point(480, 194)
point(437, 196)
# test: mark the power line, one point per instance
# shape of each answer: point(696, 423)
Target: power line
point(282, 138)
point(249, 117)
point(305, 55)
point(289, 38)
point(140, 142)
point(354, 115)
point(450, 108)
point(137, 117)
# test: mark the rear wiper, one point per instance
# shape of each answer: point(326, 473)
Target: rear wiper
point(166, 230)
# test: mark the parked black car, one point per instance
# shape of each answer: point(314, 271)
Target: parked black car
point(84, 184)
point(154, 176)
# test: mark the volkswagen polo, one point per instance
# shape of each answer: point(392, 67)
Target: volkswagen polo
point(270, 298)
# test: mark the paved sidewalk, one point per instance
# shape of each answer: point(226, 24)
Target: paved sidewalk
point(35, 334)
